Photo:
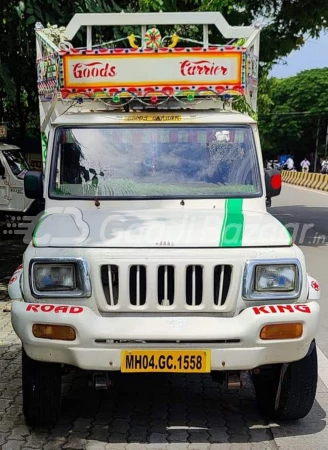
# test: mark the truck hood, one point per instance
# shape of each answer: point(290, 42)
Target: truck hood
point(192, 228)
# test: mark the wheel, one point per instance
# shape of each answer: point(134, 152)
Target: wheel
point(287, 391)
point(41, 391)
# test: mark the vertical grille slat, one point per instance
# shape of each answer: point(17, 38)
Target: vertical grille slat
point(222, 279)
point(110, 285)
point(110, 282)
point(165, 285)
point(194, 285)
point(137, 285)
point(193, 292)
point(220, 286)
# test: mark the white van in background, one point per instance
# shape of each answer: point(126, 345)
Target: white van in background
point(13, 167)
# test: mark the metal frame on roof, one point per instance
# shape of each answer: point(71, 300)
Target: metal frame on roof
point(167, 18)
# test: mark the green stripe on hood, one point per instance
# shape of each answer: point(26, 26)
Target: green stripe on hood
point(233, 224)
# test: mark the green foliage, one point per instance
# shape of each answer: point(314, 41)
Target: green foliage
point(287, 23)
point(288, 118)
point(18, 90)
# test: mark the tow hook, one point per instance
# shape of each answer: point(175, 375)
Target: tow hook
point(233, 380)
point(101, 381)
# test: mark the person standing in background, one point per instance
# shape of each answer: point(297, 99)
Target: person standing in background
point(324, 166)
point(290, 163)
point(305, 165)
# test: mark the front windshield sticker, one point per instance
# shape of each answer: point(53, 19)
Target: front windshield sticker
point(156, 162)
point(222, 136)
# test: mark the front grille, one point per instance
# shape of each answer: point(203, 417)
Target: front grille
point(110, 282)
point(165, 285)
point(178, 287)
point(194, 285)
point(222, 279)
point(138, 285)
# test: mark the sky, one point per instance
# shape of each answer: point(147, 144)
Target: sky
point(313, 54)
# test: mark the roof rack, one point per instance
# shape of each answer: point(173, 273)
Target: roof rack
point(153, 69)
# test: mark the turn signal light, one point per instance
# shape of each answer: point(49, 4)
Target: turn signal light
point(59, 332)
point(282, 331)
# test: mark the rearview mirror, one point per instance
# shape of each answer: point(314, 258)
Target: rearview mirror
point(33, 185)
point(272, 182)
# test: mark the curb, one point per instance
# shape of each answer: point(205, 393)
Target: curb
point(315, 181)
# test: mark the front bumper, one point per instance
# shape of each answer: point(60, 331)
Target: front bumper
point(234, 341)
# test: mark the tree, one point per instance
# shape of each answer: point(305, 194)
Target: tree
point(290, 121)
point(287, 22)
point(18, 88)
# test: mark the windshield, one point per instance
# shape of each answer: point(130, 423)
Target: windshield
point(17, 163)
point(155, 162)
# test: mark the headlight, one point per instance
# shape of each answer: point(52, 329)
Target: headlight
point(281, 278)
point(59, 277)
point(272, 279)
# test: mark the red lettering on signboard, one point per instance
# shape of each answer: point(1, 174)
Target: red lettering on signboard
point(281, 308)
point(204, 67)
point(57, 309)
point(93, 70)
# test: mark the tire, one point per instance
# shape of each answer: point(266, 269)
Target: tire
point(41, 391)
point(298, 388)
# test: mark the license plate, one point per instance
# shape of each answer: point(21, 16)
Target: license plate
point(187, 361)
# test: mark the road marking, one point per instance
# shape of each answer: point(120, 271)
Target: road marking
point(315, 191)
point(323, 367)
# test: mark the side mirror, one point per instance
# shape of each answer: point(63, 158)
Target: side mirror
point(33, 185)
point(272, 183)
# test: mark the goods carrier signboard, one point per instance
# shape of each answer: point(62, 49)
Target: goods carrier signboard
point(170, 69)
point(145, 72)
point(147, 66)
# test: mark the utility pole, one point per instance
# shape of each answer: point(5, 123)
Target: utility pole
point(316, 146)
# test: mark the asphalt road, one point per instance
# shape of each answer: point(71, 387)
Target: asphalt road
point(305, 213)
point(175, 412)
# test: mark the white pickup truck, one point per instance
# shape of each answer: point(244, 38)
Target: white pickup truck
point(13, 167)
point(156, 252)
